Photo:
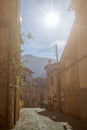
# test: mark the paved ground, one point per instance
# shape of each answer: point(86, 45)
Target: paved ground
point(31, 120)
point(76, 124)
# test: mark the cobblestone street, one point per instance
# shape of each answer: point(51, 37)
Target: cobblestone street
point(30, 120)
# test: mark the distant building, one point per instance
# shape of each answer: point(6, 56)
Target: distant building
point(26, 86)
point(32, 90)
point(36, 64)
point(40, 85)
point(53, 86)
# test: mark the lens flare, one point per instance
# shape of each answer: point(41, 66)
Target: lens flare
point(52, 19)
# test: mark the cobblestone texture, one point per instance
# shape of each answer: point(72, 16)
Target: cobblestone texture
point(30, 120)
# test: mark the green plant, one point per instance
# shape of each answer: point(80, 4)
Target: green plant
point(21, 104)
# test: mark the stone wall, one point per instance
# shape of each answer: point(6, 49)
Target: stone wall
point(74, 66)
point(8, 22)
point(26, 86)
point(34, 94)
point(70, 78)
point(53, 87)
point(73, 78)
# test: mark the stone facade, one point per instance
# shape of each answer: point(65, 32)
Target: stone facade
point(26, 86)
point(73, 72)
point(9, 21)
point(53, 86)
point(70, 78)
point(32, 90)
point(34, 96)
point(74, 65)
point(39, 85)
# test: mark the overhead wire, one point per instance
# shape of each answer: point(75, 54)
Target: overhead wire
point(43, 51)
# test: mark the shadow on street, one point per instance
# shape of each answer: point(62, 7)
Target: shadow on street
point(60, 117)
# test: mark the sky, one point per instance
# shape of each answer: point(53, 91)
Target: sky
point(33, 14)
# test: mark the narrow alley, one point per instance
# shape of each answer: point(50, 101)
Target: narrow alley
point(31, 120)
point(43, 64)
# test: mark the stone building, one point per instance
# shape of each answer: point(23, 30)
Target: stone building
point(53, 86)
point(74, 65)
point(39, 85)
point(31, 90)
point(26, 86)
point(34, 96)
point(9, 55)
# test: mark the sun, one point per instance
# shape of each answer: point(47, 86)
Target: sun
point(52, 19)
point(20, 19)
